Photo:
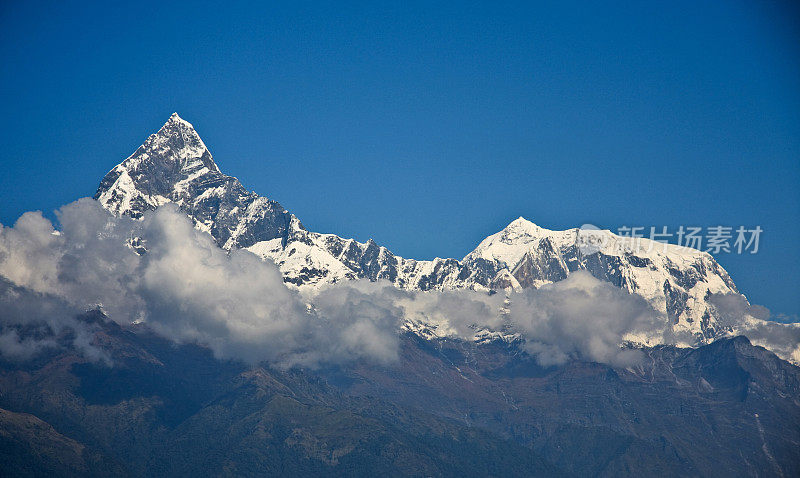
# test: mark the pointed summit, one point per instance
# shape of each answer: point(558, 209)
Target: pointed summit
point(176, 121)
point(180, 136)
point(165, 163)
point(174, 166)
point(510, 244)
point(521, 222)
point(522, 227)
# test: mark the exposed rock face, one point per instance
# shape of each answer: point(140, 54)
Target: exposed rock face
point(174, 165)
point(675, 280)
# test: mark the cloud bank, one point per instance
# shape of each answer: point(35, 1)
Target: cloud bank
point(185, 288)
point(582, 317)
point(32, 322)
point(188, 289)
point(753, 321)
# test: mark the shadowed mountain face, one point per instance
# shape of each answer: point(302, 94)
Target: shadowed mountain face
point(174, 165)
point(31, 447)
point(448, 408)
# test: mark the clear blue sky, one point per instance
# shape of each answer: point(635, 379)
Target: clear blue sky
point(428, 128)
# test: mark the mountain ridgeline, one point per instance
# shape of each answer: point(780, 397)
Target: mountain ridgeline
point(88, 394)
point(174, 165)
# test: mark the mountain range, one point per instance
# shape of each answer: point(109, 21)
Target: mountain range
point(90, 394)
point(175, 166)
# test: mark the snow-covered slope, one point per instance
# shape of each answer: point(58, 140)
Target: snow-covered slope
point(174, 165)
point(675, 280)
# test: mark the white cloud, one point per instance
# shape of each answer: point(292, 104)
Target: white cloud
point(582, 317)
point(190, 290)
point(753, 321)
point(186, 288)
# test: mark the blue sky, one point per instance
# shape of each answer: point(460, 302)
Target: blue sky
point(429, 127)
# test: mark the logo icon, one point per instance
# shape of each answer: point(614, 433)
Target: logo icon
point(591, 239)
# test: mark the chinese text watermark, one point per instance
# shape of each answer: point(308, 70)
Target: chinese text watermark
point(711, 239)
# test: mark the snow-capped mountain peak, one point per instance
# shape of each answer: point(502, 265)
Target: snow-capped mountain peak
point(522, 225)
point(168, 161)
point(174, 165)
point(175, 144)
point(505, 247)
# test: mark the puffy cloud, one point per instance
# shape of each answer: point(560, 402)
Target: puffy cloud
point(191, 290)
point(31, 322)
point(16, 349)
point(188, 289)
point(86, 263)
point(455, 312)
point(582, 317)
point(362, 320)
point(742, 318)
point(184, 287)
